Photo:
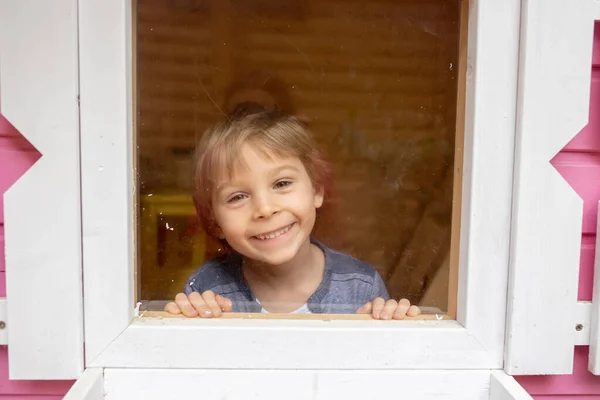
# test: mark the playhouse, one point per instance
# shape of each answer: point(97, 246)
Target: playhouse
point(464, 139)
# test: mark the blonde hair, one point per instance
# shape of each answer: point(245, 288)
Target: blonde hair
point(271, 133)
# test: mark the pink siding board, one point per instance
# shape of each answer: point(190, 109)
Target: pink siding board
point(28, 397)
point(2, 284)
point(581, 382)
point(566, 397)
point(586, 269)
point(2, 251)
point(596, 54)
point(588, 139)
point(582, 171)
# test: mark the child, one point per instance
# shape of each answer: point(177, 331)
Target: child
point(259, 182)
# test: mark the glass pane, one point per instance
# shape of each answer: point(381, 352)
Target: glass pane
point(376, 84)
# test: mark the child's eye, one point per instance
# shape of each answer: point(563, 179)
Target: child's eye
point(282, 184)
point(236, 198)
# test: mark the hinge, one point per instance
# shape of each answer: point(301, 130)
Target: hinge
point(583, 323)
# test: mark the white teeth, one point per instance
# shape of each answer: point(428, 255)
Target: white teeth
point(275, 234)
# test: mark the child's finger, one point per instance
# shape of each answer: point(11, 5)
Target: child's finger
point(403, 306)
point(172, 308)
point(388, 309)
point(366, 309)
point(224, 303)
point(413, 311)
point(200, 305)
point(211, 303)
point(181, 300)
point(378, 305)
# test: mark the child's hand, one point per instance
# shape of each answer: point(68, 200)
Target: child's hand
point(392, 309)
point(205, 305)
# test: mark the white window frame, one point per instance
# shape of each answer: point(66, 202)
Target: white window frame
point(115, 338)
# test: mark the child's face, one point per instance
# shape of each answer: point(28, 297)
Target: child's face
point(266, 210)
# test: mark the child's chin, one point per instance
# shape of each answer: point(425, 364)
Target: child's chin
point(279, 258)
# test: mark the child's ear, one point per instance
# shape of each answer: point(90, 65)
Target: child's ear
point(319, 196)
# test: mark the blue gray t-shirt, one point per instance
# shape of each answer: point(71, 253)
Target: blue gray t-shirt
point(347, 284)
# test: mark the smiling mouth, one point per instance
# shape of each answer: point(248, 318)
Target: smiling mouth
point(274, 234)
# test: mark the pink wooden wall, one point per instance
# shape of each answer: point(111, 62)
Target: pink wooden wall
point(579, 163)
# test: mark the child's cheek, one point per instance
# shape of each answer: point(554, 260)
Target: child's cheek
point(233, 225)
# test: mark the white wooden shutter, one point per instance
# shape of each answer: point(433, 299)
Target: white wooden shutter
point(594, 360)
point(39, 89)
point(554, 86)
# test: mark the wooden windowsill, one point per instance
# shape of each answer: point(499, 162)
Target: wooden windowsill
point(310, 317)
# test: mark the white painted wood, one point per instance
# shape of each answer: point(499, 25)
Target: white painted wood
point(272, 344)
point(295, 385)
point(3, 318)
point(38, 71)
point(505, 387)
point(90, 386)
point(107, 165)
point(554, 88)
point(476, 341)
point(583, 317)
point(595, 7)
point(594, 359)
point(487, 171)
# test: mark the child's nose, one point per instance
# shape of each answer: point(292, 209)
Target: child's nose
point(265, 206)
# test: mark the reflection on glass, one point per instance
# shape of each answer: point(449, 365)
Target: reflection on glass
point(374, 82)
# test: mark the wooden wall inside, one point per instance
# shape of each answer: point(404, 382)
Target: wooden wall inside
point(376, 81)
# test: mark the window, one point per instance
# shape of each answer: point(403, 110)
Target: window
point(377, 85)
point(474, 340)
